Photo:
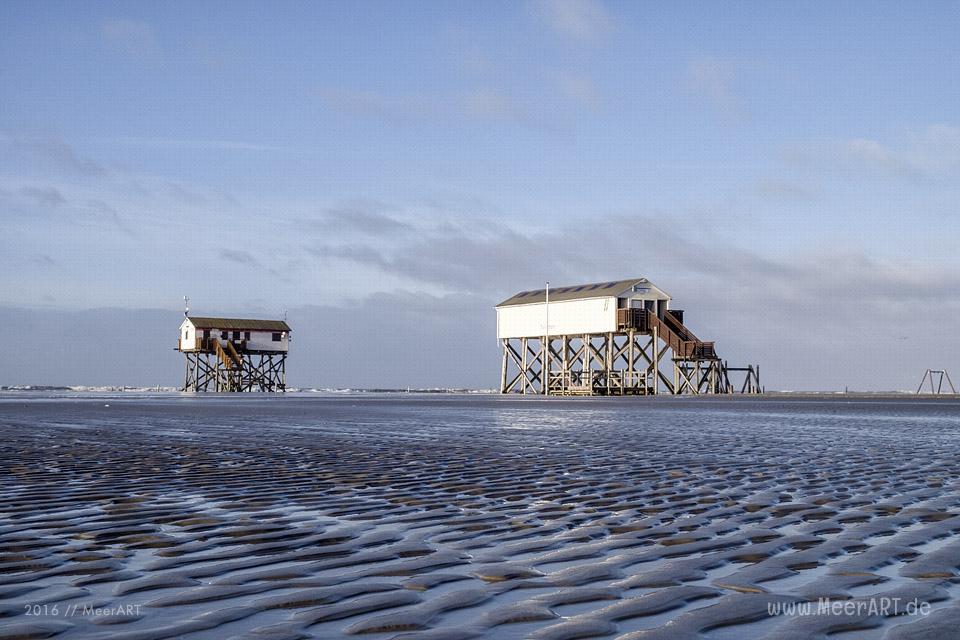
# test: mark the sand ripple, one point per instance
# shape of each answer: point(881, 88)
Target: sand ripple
point(456, 518)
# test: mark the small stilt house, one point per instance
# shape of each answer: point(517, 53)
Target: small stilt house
point(234, 354)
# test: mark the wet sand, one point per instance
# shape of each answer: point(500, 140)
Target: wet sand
point(461, 517)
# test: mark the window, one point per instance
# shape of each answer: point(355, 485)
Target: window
point(223, 335)
point(246, 335)
point(236, 335)
point(277, 337)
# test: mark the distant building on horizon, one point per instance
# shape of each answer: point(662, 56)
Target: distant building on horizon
point(234, 354)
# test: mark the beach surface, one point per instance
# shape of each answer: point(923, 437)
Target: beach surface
point(137, 516)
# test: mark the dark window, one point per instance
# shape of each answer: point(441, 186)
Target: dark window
point(223, 335)
point(206, 334)
point(246, 335)
point(236, 335)
point(277, 337)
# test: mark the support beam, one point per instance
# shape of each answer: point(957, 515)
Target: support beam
point(627, 362)
point(248, 372)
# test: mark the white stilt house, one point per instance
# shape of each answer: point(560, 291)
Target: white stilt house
point(234, 354)
point(604, 338)
point(576, 310)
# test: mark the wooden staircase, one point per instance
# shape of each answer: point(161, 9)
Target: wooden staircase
point(684, 344)
point(228, 355)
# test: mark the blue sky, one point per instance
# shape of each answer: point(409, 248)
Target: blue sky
point(759, 159)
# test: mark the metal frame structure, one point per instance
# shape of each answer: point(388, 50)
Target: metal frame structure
point(938, 388)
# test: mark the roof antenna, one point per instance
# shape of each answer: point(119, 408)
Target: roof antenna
point(284, 315)
point(186, 307)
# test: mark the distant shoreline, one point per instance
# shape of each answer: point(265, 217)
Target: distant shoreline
point(161, 389)
point(84, 389)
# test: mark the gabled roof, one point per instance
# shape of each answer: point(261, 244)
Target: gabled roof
point(201, 322)
point(578, 292)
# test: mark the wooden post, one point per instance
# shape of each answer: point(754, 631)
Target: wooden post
point(523, 359)
point(608, 359)
point(503, 369)
point(545, 365)
point(586, 364)
point(656, 361)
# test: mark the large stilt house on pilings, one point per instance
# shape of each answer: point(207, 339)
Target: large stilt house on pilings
point(607, 338)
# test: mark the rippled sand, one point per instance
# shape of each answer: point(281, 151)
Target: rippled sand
point(465, 517)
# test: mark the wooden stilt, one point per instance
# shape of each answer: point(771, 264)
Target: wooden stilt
point(613, 363)
point(243, 373)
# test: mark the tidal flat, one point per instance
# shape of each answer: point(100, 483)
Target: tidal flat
point(139, 516)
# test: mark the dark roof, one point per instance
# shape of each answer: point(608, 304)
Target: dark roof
point(575, 292)
point(239, 324)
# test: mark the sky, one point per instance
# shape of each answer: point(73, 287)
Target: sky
point(386, 172)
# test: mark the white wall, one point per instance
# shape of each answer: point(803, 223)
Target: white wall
point(263, 341)
point(259, 340)
point(593, 315)
point(188, 336)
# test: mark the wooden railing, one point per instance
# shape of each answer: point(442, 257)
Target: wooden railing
point(231, 349)
point(222, 354)
point(671, 330)
point(632, 319)
point(234, 356)
point(579, 382)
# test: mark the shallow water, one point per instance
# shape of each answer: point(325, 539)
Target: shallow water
point(474, 516)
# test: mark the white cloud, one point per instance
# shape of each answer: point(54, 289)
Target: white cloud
point(580, 88)
point(484, 103)
point(173, 143)
point(381, 105)
point(50, 154)
point(491, 103)
point(872, 153)
point(714, 80)
point(581, 20)
point(780, 190)
point(131, 37)
point(930, 153)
